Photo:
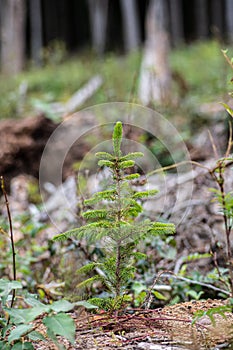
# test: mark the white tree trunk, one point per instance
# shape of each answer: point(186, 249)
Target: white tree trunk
point(12, 36)
point(155, 75)
point(130, 24)
point(98, 13)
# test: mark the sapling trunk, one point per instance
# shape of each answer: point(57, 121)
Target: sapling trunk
point(117, 173)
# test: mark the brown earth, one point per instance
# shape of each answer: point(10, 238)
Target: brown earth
point(165, 328)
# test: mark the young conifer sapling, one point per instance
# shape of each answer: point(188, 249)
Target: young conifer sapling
point(114, 218)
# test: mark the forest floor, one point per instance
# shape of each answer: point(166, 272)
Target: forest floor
point(164, 328)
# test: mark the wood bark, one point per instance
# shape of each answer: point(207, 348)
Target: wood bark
point(36, 31)
point(201, 19)
point(229, 19)
point(98, 14)
point(130, 24)
point(176, 22)
point(216, 17)
point(12, 36)
point(155, 76)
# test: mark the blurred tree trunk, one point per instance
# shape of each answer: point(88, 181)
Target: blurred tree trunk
point(155, 75)
point(98, 14)
point(229, 19)
point(201, 19)
point(12, 36)
point(36, 31)
point(177, 27)
point(216, 17)
point(130, 24)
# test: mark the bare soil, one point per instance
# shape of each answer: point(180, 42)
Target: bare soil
point(164, 328)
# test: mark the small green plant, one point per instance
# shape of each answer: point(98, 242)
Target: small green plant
point(17, 330)
point(219, 310)
point(114, 219)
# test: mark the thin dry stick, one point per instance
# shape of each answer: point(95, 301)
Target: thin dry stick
point(11, 236)
point(213, 145)
point(229, 146)
point(149, 297)
point(175, 166)
point(227, 58)
point(209, 286)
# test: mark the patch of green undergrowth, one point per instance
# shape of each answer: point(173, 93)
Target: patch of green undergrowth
point(199, 64)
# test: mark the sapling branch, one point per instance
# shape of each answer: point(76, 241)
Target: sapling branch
point(11, 236)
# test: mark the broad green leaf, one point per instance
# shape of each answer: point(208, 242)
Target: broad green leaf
point(7, 286)
point(62, 306)
point(19, 331)
point(61, 324)
point(23, 346)
point(4, 345)
point(158, 295)
point(138, 287)
point(4, 330)
point(86, 304)
point(53, 337)
point(228, 108)
point(33, 301)
point(34, 335)
point(194, 295)
point(27, 315)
